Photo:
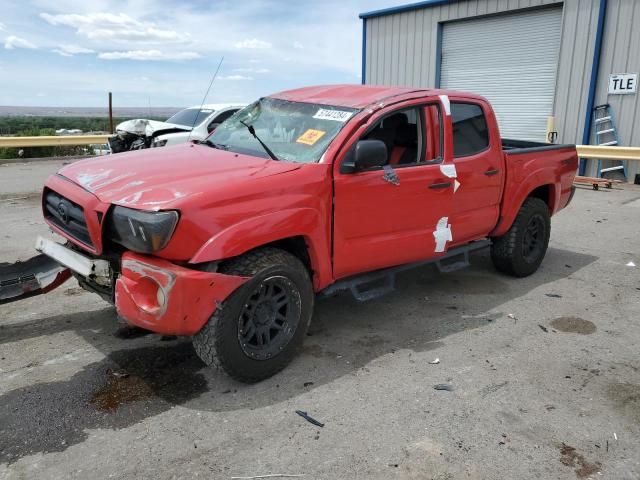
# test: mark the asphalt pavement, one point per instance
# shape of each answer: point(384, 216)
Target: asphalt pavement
point(543, 372)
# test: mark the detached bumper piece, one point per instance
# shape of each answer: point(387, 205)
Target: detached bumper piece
point(165, 298)
point(35, 276)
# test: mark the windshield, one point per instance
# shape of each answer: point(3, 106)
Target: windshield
point(190, 116)
point(297, 132)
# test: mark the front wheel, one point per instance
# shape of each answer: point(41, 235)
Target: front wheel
point(520, 251)
point(256, 331)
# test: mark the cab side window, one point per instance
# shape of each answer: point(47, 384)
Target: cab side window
point(470, 132)
point(401, 132)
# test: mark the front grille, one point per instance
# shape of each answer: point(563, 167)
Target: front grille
point(67, 216)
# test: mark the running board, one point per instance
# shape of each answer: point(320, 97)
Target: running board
point(380, 282)
point(38, 275)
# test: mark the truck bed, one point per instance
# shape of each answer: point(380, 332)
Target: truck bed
point(546, 169)
point(525, 146)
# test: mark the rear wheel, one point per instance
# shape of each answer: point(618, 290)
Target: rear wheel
point(520, 251)
point(256, 331)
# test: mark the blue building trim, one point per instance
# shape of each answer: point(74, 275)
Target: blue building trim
point(438, 54)
point(364, 50)
point(593, 83)
point(405, 8)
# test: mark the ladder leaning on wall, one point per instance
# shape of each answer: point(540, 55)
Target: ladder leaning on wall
point(605, 133)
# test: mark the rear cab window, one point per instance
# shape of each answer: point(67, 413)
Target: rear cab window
point(470, 131)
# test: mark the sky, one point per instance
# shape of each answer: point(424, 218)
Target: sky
point(164, 53)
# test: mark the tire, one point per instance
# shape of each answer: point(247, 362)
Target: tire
point(520, 251)
point(233, 340)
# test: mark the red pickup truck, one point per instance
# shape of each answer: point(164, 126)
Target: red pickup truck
point(305, 191)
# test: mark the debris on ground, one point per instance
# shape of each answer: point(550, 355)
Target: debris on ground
point(307, 384)
point(543, 328)
point(513, 317)
point(309, 419)
point(434, 362)
point(553, 295)
point(444, 386)
point(631, 264)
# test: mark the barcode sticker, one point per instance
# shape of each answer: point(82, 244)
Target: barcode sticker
point(335, 115)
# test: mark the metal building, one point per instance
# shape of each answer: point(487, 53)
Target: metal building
point(533, 59)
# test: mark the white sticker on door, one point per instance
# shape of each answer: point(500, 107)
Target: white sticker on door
point(446, 104)
point(442, 234)
point(335, 115)
point(449, 170)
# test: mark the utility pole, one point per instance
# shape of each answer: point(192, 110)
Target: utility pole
point(110, 113)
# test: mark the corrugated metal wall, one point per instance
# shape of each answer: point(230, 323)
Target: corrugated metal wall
point(521, 87)
point(401, 50)
point(621, 54)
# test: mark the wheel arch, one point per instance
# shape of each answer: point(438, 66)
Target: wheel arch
point(297, 231)
point(547, 192)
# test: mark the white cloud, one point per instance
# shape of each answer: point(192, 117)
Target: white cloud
point(253, 43)
point(235, 77)
point(71, 50)
point(12, 42)
point(252, 70)
point(115, 28)
point(298, 46)
point(144, 55)
point(2, 27)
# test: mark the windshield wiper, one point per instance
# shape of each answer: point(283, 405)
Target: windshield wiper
point(209, 143)
point(252, 131)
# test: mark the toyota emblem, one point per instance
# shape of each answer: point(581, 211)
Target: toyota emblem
point(63, 212)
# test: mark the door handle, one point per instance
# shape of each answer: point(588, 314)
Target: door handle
point(491, 172)
point(440, 185)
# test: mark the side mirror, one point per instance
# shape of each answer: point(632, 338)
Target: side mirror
point(367, 154)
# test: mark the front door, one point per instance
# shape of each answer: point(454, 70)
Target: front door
point(397, 214)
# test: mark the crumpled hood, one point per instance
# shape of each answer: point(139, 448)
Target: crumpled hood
point(160, 178)
point(141, 126)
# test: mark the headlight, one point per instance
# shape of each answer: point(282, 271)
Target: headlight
point(159, 143)
point(142, 231)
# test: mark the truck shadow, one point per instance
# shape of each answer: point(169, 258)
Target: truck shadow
point(143, 377)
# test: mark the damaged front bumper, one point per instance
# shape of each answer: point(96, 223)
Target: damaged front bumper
point(150, 292)
point(35, 276)
point(160, 296)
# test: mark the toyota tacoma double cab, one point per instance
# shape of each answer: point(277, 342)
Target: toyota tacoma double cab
point(229, 239)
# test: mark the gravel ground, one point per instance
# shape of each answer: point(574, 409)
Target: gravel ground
point(545, 373)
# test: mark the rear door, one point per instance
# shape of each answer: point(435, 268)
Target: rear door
point(397, 214)
point(479, 163)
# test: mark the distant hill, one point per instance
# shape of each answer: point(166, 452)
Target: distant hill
point(121, 112)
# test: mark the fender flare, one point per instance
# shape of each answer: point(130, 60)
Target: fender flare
point(264, 229)
point(520, 195)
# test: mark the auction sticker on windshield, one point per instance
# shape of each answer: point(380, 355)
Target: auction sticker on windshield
point(336, 115)
point(310, 137)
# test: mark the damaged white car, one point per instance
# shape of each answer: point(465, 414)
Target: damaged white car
point(195, 123)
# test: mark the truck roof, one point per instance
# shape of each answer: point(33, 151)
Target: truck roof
point(354, 96)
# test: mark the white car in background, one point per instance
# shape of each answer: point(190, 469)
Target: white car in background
point(193, 123)
point(205, 118)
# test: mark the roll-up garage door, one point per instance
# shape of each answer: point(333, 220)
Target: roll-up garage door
point(510, 59)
